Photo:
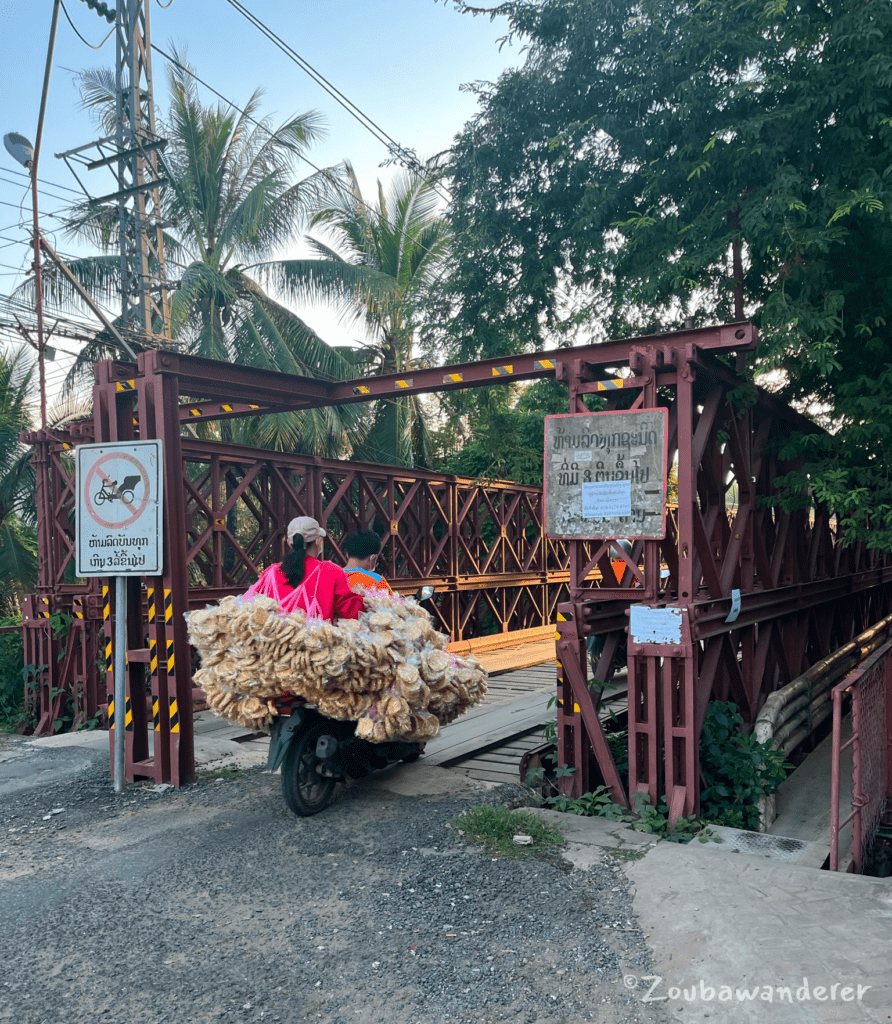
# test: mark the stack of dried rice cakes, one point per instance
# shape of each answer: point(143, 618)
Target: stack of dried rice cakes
point(387, 670)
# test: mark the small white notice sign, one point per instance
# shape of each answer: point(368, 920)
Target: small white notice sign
point(654, 625)
point(607, 499)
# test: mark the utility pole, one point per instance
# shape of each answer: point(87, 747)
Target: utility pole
point(146, 306)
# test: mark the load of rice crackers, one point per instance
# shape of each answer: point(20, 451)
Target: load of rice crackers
point(388, 670)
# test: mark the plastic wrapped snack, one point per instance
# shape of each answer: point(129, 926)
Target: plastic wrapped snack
point(388, 670)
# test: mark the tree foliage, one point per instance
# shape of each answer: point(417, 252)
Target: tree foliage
point(18, 540)
point(504, 437)
point(232, 204)
point(657, 161)
point(377, 262)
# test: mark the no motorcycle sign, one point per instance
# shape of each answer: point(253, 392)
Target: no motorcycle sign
point(119, 509)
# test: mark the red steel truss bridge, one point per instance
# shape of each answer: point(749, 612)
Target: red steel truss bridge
point(482, 544)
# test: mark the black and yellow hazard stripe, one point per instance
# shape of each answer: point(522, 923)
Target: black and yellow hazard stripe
point(362, 390)
point(128, 716)
point(560, 668)
point(156, 714)
point(168, 607)
point(45, 609)
point(174, 715)
point(404, 383)
point(453, 378)
point(502, 371)
point(611, 385)
point(77, 607)
point(106, 621)
point(543, 364)
point(150, 603)
point(126, 385)
point(111, 711)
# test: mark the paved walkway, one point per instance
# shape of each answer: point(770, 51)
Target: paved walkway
point(738, 938)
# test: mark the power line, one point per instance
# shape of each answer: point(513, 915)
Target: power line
point(40, 191)
point(393, 147)
point(43, 181)
point(259, 124)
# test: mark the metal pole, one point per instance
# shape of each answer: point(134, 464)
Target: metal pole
point(38, 276)
point(120, 668)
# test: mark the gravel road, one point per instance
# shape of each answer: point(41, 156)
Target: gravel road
point(214, 903)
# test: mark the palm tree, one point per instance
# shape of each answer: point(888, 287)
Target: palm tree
point(18, 537)
point(232, 204)
point(381, 260)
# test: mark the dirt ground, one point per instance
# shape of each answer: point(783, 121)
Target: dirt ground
point(214, 903)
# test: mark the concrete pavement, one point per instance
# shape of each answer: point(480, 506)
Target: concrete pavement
point(742, 938)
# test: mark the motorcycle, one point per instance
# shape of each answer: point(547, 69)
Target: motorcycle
point(315, 752)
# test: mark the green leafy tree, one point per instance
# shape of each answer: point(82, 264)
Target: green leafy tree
point(653, 162)
point(505, 438)
point(18, 542)
point(233, 204)
point(380, 261)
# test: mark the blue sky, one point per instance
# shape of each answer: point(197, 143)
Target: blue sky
point(401, 61)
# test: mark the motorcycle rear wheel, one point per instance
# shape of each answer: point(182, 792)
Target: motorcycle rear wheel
point(305, 791)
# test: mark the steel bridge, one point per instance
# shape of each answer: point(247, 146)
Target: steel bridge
point(483, 545)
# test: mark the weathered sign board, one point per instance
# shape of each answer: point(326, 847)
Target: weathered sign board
point(119, 509)
point(605, 474)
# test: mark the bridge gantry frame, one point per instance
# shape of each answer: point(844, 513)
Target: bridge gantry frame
point(483, 545)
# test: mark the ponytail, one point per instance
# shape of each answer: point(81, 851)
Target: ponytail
point(293, 563)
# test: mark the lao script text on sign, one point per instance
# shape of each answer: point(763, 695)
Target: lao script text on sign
point(605, 474)
point(119, 509)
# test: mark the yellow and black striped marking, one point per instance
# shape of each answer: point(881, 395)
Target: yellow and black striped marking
point(150, 602)
point(156, 715)
point(77, 607)
point(128, 716)
point(174, 715)
point(362, 390)
point(611, 385)
point(168, 607)
point(126, 385)
point(45, 611)
point(171, 668)
point(502, 371)
point(562, 618)
point(543, 364)
point(404, 383)
point(453, 378)
point(153, 656)
point(195, 411)
point(111, 711)
point(226, 408)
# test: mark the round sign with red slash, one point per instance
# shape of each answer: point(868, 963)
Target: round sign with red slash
point(116, 490)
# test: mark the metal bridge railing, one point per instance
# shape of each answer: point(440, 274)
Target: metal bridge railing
point(870, 687)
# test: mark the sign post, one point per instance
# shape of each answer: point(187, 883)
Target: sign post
point(119, 532)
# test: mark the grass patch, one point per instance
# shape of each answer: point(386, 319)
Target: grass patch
point(222, 773)
point(628, 854)
point(494, 828)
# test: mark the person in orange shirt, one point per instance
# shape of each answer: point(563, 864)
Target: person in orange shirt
point(362, 550)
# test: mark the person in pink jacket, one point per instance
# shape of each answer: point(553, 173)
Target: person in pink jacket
point(301, 580)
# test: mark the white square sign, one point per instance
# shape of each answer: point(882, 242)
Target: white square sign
point(119, 509)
